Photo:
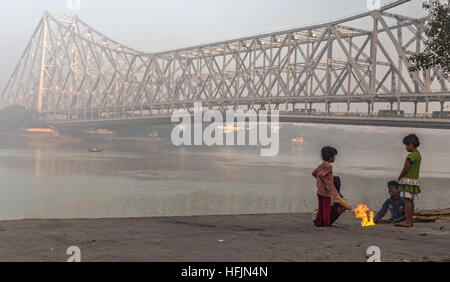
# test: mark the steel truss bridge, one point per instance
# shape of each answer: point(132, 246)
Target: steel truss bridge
point(71, 73)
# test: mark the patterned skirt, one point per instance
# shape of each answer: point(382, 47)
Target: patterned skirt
point(409, 185)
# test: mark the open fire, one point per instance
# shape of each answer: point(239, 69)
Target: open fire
point(361, 212)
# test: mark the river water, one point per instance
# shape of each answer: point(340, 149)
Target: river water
point(137, 179)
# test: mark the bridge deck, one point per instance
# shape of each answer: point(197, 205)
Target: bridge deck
point(293, 118)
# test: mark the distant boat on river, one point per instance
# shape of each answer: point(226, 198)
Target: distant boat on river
point(94, 149)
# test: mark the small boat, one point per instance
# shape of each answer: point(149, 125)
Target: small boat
point(95, 150)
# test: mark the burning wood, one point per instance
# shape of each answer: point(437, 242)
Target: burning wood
point(361, 212)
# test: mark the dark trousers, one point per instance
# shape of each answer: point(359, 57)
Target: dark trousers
point(334, 213)
point(323, 214)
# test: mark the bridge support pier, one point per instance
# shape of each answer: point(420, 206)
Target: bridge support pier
point(442, 106)
point(426, 106)
point(392, 106)
point(415, 109)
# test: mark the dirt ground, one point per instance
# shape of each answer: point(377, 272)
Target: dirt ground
point(261, 238)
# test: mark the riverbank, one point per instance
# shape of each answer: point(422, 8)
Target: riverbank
point(274, 237)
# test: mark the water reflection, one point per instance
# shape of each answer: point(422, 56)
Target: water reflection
point(131, 179)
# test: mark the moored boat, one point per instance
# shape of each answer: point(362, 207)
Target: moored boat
point(95, 150)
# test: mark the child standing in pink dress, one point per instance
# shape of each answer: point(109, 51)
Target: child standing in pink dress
point(325, 187)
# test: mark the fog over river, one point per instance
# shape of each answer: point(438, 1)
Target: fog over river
point(142, 178)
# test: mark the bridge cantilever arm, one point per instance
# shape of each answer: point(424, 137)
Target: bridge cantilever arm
point(399, 49)
point(399, 17)
point(352, 61)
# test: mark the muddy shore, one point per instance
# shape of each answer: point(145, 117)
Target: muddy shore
point(274, 237)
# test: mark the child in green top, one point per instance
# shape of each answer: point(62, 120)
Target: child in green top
point(409, 178)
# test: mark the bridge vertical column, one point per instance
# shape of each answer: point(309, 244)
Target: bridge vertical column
point(391, 106)
point(308, 71)
point(199, 76)
point(288, 75)
point(393, 80)
point(400, 63)
point(211, 71)
point(422, 27)
point(42, 72)
point(349, 69)
point(426, 105)
point(442, 106)
point(415, 108)
point(348, 105)
point(330, 63)
point(373, 55)
point(372, 106)
point(418, 49)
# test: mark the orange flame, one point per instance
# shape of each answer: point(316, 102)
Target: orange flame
point(361, 212)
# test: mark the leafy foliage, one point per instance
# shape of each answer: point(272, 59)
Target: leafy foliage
point(437, 47)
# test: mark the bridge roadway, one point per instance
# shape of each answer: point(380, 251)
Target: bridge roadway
point(145, 113)
point(297, 117)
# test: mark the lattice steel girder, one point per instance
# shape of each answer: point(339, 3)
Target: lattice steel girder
point(68, 66)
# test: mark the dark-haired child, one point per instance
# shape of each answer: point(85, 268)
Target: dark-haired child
point(339, 204)
point(409, 178)
point(325, 187)
point(395, 204)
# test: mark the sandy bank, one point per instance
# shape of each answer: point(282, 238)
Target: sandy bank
point(281, 237)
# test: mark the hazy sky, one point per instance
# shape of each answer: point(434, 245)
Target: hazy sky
point(156, 25)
